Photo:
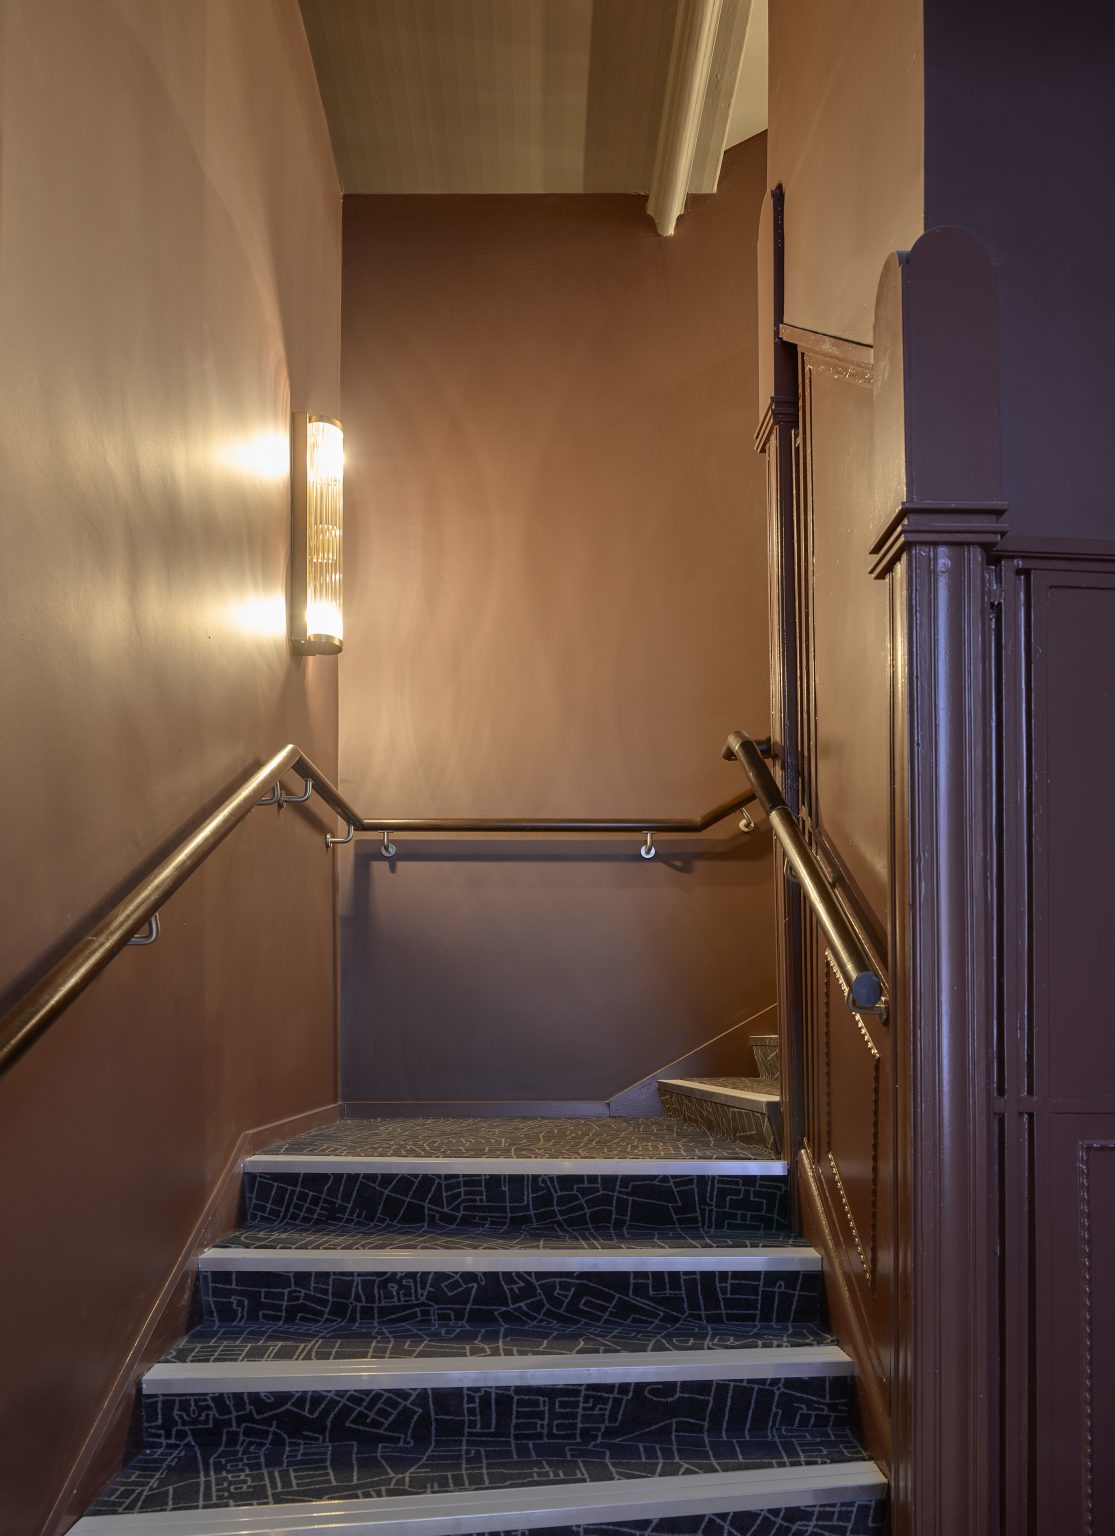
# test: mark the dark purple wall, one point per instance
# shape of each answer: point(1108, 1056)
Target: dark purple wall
point(1019, 127)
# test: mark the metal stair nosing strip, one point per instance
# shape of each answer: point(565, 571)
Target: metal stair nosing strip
point(533, 1507)
point(795, 1360)
point(418, 1260)
point(265, 1162)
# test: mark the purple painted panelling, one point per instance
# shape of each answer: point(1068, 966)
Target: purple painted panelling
point(1073, 1051)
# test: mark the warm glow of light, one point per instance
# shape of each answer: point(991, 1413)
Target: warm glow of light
point(266, 456)
point(261, 615)
point(324, 618)
point(325, 451)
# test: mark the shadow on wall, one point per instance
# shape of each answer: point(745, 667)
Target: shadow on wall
point(492, 969)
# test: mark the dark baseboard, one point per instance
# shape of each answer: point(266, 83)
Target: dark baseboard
point(725, 1055)
point(106, 1445)
point(364, 1109)
point(845, 1314)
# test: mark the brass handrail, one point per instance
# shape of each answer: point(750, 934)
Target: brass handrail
point(677, 825)
point(863, 987)
point(22, 1025)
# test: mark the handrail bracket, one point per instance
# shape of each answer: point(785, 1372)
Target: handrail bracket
point(864, 991)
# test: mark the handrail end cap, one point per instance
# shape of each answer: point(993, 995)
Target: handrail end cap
point(866, 991)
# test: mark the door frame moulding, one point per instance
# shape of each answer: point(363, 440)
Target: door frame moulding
point(788, 357)
point(836, 348)
point(776, 439)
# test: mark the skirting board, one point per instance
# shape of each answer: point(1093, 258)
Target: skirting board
point(104, 1449)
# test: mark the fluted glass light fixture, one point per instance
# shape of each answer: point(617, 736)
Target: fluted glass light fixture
point(317, 486)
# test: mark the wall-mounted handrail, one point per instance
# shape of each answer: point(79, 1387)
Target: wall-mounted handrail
point(862, 985)
point(679, 825)
point(22, 1025)
point(38, 1009)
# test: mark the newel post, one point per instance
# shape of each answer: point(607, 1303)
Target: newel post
point(939, 499)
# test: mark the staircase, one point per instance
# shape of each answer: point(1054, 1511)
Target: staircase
point(437, 1327)
point(744, 1108)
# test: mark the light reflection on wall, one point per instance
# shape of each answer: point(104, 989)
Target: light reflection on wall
point(261, 615)
point(264, 456)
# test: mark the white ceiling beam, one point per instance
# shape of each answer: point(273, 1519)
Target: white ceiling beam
point(682, 106)
point(709, 38)
point(749, 107)
point(736, 26)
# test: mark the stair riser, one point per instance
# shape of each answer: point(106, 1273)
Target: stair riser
point(767, 1058)
point(723, 1119)
point(684, 1414)
point(650, 1299)
point(856, 1517)
point(607, 1206)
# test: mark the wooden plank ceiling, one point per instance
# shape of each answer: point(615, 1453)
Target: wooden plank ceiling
point(533, 95)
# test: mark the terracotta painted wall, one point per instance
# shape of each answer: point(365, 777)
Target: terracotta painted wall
point(169, 286)
point(846, 142)
point(556, 606)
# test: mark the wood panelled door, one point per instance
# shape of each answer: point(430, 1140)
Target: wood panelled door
point(845, 775)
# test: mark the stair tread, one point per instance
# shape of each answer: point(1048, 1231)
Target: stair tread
point(629, 1140)
point(767, 1086)
point(244, 1344)
point(411, 1239)
point(192, 1477)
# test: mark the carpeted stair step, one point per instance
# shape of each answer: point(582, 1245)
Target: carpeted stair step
point(357, 1487)
point(260, 1341)
point(606, 1177)
point(392, 1406)
point(746, 1109)
point(548, 1285)
point(438, 1328)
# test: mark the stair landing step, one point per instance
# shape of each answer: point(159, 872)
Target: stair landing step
point(652, 1145)
point(309, 1342)
point(180, 1378)
point(482, 1492)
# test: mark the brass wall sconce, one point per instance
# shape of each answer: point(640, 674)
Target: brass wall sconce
point(317, 496)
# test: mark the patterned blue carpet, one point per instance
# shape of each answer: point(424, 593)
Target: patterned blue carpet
point(265, 1445)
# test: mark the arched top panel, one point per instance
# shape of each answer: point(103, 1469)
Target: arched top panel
point(937, 376)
